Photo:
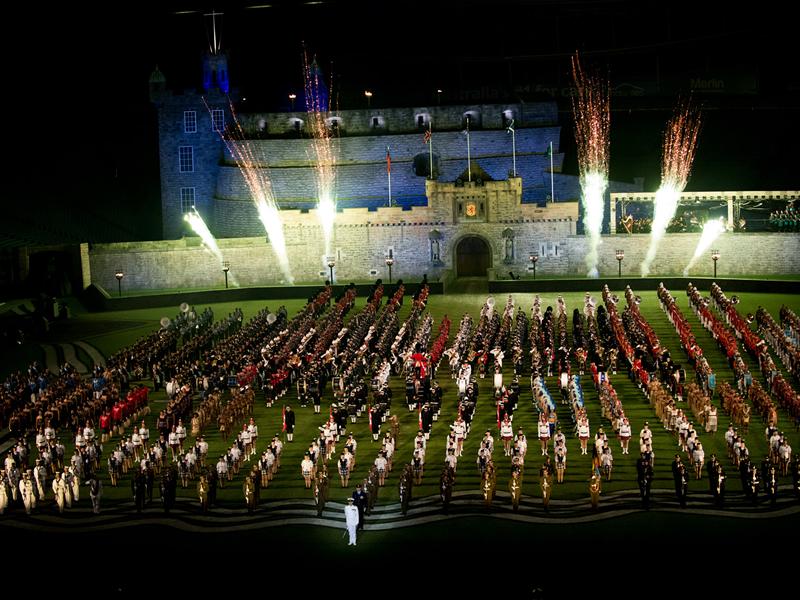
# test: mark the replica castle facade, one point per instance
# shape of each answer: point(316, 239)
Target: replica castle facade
point(485, 219)
point(466, 218)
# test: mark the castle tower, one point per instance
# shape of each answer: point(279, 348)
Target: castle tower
point(215, 72)
point(316, 96)
point(189, 138)
point(215, 62)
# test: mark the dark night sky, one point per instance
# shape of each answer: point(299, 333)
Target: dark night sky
point(86, 133)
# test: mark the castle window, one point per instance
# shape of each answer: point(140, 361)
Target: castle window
point(423, 120)
point(375, 122)
point(508, 117)
point(187, 199)
point(217, 120)
point(186, 159)
point(189, 121)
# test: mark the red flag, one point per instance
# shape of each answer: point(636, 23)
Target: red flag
point(283, 416)
point(419, 417)
point(427, 136)
point(388, 161)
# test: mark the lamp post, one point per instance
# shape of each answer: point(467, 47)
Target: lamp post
point(119, 275)
point(389, 263)
point(331, 264)
point(438, 96)
point(715, 258)
point(620, 254)
point(292, 98)
point(534, 257)
point(368, 94)
point(226, 266)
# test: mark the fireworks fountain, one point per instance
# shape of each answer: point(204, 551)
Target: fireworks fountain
point(256, 177)
point(680, 141)
point(199, 226)
point(711, 231)
point(322, 149)
point(591, 109)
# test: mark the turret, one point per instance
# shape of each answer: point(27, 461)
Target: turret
point(158, 85)
point(215, 72)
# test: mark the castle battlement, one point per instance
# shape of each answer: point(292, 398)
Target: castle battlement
point(394, 120)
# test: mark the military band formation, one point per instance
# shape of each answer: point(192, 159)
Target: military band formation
point(215, 372)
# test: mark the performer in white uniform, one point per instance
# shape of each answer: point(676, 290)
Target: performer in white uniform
point(351, 520)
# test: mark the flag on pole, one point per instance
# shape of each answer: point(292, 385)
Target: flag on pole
point(419, 416)
point(510, 127)
point(283, 417)
point(388, 161)
point(429, 141)
point(550, 150)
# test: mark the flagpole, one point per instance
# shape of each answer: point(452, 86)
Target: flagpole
point(469, 162)
point(552, 185)
point(513, 147)
point(430, 146)
point(389, 174)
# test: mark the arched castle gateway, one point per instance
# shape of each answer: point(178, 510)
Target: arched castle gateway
point(473, 256)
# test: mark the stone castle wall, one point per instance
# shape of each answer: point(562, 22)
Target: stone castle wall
point(362, 239)
point(400, 120)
